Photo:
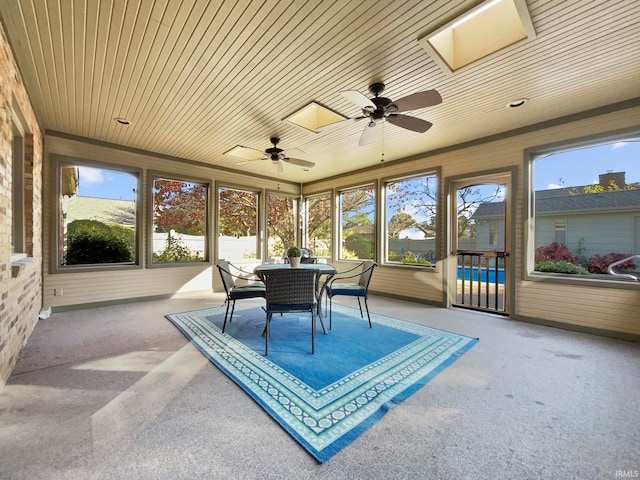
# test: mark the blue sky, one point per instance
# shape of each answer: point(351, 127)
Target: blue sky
point(95, 182)
point(582, 166)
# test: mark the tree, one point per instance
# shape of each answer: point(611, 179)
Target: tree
point(319, 220)
point(400, 222)
point(238, 212)
point(281, 222)
point(180, 206)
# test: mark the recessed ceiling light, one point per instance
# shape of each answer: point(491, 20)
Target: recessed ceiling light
point(517, 103)
point(122, 121)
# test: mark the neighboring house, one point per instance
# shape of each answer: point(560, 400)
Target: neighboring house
point(596, 222)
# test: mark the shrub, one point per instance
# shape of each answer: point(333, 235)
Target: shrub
point(96, 247)
point(360, 245)
point(555, 252)
point(176, 251)
point(560, 266)
point(600, 263)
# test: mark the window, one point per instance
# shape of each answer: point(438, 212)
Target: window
point(237, 224)
point(318, 221)
point(179, 220)
point(493, 234)
point(18, 242)
point(357, 223)
point(596, 190)
point(561, 231)
point(98, 216)
point(281, 224)
point(410, 220)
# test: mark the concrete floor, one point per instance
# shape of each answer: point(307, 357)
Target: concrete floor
point(118, 393)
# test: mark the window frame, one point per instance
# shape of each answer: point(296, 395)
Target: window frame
point(151, 177)
point(529, 238)
point(384, 240)
point(337, 253)
point(61, 161)
point(18, 197)
point(260, 213)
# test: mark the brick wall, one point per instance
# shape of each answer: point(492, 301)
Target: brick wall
point(20, 282)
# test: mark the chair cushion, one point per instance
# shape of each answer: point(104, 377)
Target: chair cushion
point(352, 289)
point(252, 290)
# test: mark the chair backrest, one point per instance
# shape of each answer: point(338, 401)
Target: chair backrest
point(367, 271)
point(290, 286)
point(225, 274)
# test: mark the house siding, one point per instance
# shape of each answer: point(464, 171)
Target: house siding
point(20, 282)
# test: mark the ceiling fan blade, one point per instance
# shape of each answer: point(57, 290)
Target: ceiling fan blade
point(333, 125)
point(368, 134)
point(417, 100)
point(357, 98)
point(299, 162)
point(410, 123)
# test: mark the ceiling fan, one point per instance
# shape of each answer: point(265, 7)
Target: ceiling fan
point(378, 109)
point(275, 154)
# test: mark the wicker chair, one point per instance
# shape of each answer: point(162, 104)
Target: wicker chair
point(236, 292)
point(290, 290)
point(359, 288)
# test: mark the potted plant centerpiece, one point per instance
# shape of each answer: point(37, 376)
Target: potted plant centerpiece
point(294, 253)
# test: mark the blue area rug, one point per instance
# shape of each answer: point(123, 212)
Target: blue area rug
point(325, 400)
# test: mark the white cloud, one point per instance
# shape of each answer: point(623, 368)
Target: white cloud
point(551, 186)
point(619, 145)
point(90, 176)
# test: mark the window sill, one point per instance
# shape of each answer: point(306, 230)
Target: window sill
point(18, 262)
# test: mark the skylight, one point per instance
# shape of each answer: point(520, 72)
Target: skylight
point(489, 28)
point(314, 116)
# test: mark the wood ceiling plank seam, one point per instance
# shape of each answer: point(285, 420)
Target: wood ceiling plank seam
point(67, 66)
point(90, 22)
point(103, 26)
point(74, 64)
point(148, 62)
point(162, 70)
point(267, 59)
point(116, 37)
point(144, 54)
point(36, 43)
point(223, 73)
point(120, 70)
point(564, 13)
point(48, 36)
point(16, 22)
point(203, 100)
point(138, 54)
point(181, 66)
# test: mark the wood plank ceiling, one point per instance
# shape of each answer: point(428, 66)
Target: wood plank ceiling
point(197, 77)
